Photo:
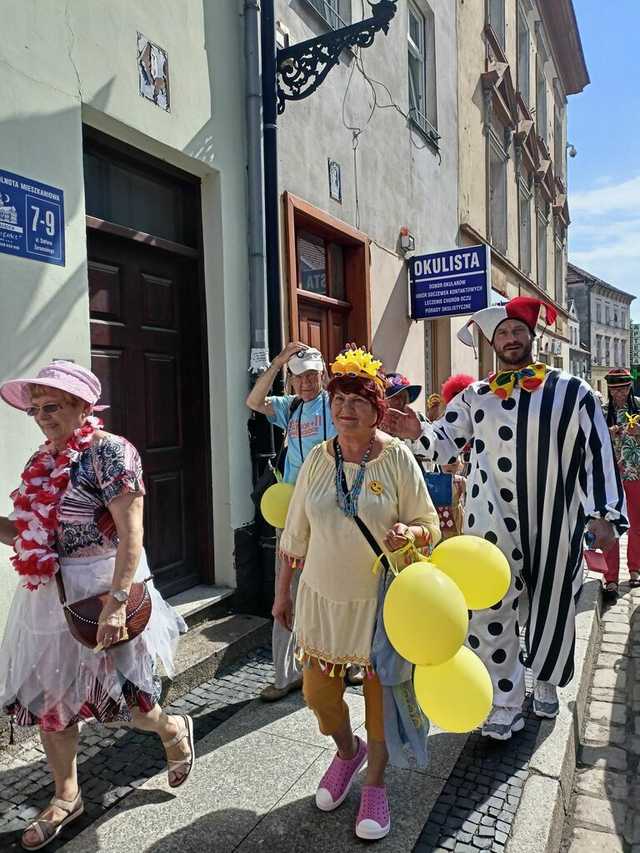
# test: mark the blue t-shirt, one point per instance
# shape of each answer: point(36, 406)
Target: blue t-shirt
point(310, 424)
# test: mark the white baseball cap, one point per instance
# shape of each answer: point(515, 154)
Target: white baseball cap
point(306, 359)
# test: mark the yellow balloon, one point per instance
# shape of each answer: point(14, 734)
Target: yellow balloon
point(425, 615)
point(478, 567)
point(275, 504)
point(456, 695)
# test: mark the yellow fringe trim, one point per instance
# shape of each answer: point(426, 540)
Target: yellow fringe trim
point(293, 561)
point(334, 668)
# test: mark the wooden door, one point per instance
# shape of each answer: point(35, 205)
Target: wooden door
point(146, 350)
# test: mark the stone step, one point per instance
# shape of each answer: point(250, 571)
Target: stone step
point(205, 647)
point(201, 602)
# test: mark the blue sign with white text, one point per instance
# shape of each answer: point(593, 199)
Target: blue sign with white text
point(450, 284)
point(31, 219)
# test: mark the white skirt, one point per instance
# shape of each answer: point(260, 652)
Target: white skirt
point(48, 675)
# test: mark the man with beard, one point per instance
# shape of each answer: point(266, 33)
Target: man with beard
point(542, 469)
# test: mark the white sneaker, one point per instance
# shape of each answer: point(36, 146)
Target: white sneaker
point(503, 722)
point(545, 700)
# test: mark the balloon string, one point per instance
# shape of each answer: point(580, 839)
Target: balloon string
point(409, 548)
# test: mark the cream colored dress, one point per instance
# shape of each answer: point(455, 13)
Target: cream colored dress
point(337, 597)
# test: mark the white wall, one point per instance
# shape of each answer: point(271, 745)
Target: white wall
point(65, 65)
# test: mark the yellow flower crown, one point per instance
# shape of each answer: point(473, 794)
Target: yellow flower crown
point(357, 362)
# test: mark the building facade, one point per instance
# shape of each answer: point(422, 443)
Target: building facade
point(604, 314)
point(519, 60)
point(579, 356)
point(148, 149)
point(372, 152)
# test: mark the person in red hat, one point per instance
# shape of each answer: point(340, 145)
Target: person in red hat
point(542, 469)
point(623, 417)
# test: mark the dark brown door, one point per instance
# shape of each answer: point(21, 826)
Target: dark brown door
point(146, 350)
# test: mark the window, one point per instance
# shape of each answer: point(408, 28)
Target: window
point(607, 351)
point(558, 144)
point(337, 13)
point(598, 311)
point(623, 353)
point(422, 71)
point(559, 273)
point(541, 102)
point(320, 266)
point(496, 19)
point(524, 57)
point(525, 229)
point(497, 194)
point(542, 250)
point(598, 349)
point(607, 315)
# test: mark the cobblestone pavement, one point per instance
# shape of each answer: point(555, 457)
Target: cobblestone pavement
point(114, 761)
point(605, 812)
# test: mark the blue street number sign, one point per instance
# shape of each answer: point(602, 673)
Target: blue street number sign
point(450, 284)
point(31, 219)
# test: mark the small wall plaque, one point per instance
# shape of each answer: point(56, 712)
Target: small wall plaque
point(335, 181)
point(153, 72)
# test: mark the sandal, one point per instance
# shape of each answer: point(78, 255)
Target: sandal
point(47, 828)
point(634, 579)
point(610, 592)
point(181, 766)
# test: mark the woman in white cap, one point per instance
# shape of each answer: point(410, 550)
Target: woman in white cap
point(305, 416)
point(78, 515)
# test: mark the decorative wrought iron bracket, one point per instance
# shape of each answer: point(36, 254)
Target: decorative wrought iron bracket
point(302, 67)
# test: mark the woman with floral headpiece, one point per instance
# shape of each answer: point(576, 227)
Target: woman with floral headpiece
point(77, 519)
point(361, 478)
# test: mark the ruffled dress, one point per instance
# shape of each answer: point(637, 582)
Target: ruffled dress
point(337, 597)
point(46, 676)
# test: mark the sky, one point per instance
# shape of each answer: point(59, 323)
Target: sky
point(604, 126)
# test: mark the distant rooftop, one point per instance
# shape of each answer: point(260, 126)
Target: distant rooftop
point(593, 279)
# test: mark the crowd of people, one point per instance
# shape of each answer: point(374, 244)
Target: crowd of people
point(525, 458)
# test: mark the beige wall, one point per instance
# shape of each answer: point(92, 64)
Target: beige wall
point(473, 144)
point(65, 66)
point(400, 179)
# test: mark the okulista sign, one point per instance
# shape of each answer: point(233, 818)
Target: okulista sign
point(449, 284)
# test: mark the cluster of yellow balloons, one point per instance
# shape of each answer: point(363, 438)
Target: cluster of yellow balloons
point(425, 616)
point(274, 504)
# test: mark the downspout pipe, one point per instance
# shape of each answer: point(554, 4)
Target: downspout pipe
point(255, 191)
point(271, 193)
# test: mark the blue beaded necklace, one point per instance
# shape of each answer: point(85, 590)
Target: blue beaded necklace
point(348, 498)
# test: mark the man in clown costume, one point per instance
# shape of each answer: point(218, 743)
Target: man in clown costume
point(542, 470)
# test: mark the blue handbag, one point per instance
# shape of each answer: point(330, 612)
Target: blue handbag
point(440, 487)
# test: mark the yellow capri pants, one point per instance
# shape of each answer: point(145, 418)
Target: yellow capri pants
point(324, 696)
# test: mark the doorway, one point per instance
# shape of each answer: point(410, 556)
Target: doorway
point(148, 348)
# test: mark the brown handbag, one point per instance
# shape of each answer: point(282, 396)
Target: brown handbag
point(82, 616)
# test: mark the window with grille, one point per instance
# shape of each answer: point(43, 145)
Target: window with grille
point(525, 229)
point(498, 195)
point(422, 70)
point(337, 13)
point(496, 19)
point(524, 57)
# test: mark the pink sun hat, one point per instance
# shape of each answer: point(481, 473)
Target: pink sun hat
point(61, 374)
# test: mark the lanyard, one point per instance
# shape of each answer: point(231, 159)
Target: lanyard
point(324, 424)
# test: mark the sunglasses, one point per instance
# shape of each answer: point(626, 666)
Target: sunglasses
point(47, 409)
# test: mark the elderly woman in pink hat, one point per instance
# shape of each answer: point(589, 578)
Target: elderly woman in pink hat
point(78, 512)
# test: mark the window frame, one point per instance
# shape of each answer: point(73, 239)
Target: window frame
point(498, 26)
point(496, 147)
point(423, 114)
point(542, 228)
point(542, 116)
point(332, 17)
point(524, 196)
point(524, 31)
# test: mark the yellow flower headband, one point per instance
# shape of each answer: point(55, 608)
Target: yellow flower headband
point(357, 362)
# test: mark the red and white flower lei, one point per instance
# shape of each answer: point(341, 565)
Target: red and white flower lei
point(35, 502)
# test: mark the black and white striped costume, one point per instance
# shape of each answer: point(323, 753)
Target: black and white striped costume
point(541, 465)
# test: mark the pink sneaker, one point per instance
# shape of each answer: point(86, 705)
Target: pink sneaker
point(373, 821)
point(336, 782)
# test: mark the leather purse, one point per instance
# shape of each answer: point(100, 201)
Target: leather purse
point(82, 616)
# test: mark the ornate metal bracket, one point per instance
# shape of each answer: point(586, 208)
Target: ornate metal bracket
point(303, 67)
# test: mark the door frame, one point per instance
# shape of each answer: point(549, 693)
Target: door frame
point(300, 213)
point(123, 153)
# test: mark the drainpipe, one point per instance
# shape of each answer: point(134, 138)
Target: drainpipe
point(271, 194)
point(255, 196)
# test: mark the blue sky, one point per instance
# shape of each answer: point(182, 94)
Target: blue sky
point(604, 126)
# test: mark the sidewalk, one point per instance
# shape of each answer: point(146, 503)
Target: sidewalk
point(258, 767)
point(605, 812)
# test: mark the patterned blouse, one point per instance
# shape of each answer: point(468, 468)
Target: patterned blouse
point(109, 468)
point(627, 449)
